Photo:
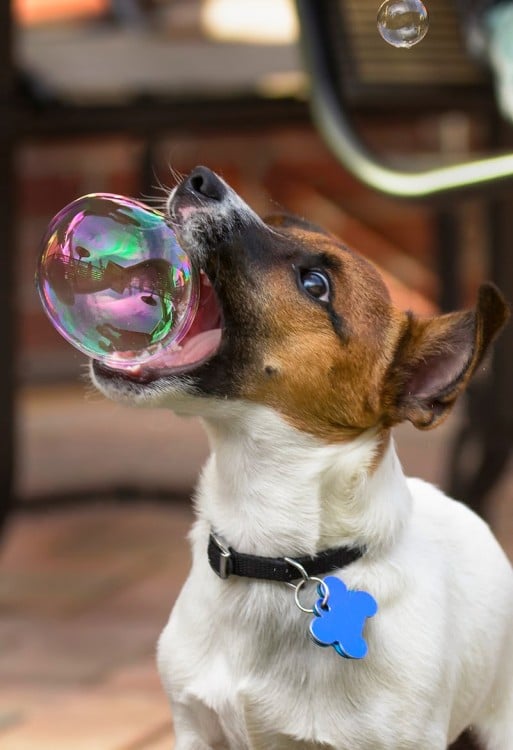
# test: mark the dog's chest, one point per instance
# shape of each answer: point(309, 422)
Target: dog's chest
point(252, 663)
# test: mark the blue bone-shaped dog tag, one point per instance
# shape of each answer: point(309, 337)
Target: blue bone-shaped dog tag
point(340, 623)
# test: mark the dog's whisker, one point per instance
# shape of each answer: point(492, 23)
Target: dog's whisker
point(175, 173)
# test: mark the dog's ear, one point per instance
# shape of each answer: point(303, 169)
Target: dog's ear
point(436, 358)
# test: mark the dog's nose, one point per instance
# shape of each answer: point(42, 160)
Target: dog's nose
point(205, 183)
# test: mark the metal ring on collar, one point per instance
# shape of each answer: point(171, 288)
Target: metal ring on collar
point(304, 579)
point(323, 587)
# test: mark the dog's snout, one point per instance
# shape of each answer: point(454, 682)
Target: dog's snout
point(206, 183)
point(208, 214)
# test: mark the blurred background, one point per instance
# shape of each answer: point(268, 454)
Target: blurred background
point(121, 96)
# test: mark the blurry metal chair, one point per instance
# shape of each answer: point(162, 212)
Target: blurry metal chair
point(353, 72)
point(39, 101)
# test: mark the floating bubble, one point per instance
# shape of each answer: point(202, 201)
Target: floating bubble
point(403, 23)
point(114, 281)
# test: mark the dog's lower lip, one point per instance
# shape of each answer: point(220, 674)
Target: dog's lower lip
point(133, 374)
point(145, 375)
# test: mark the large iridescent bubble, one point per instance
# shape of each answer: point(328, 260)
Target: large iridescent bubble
point(114, 280)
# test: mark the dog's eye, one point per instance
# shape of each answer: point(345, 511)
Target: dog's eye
point(316, 284)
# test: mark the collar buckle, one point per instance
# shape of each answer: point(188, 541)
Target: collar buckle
point(225, 557)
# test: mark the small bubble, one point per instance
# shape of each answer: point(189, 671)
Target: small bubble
point(402, 23)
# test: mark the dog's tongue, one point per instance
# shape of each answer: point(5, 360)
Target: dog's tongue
point(191, 350)
point(201, 341)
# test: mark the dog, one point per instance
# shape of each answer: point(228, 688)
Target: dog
point(333, 603)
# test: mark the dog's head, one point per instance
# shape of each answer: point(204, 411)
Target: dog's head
point(292, 319)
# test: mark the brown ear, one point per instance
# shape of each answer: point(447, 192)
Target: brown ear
point(436, 358)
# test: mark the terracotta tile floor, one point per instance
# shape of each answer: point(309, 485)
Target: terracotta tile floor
point(84, 593)
point(85, 589)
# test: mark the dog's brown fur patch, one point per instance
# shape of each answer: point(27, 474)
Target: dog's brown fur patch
point(324, 381)
point(360, 364)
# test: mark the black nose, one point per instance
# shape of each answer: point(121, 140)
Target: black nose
point(206, 183)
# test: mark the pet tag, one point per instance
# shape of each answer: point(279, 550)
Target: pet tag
point(114, 281)
point(340, 618)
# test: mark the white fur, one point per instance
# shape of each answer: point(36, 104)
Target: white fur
point(235, 657)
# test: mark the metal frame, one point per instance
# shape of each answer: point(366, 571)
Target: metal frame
point(333, 122)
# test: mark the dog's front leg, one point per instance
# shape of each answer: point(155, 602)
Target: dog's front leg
point(196, 727)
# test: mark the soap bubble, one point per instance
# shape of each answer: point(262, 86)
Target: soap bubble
point(403, 23)
point(114, 281)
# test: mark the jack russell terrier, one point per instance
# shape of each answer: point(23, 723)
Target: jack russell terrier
point(333, 603)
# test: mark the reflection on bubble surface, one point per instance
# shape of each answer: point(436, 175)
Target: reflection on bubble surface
point(114, 281)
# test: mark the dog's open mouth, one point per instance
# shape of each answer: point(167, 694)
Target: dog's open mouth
point(200, 343)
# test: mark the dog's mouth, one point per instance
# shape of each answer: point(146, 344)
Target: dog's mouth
point(201, 342)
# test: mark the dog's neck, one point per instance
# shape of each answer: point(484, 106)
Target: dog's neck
point(269, 489)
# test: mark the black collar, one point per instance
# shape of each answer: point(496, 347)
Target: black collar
point(225, 561)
